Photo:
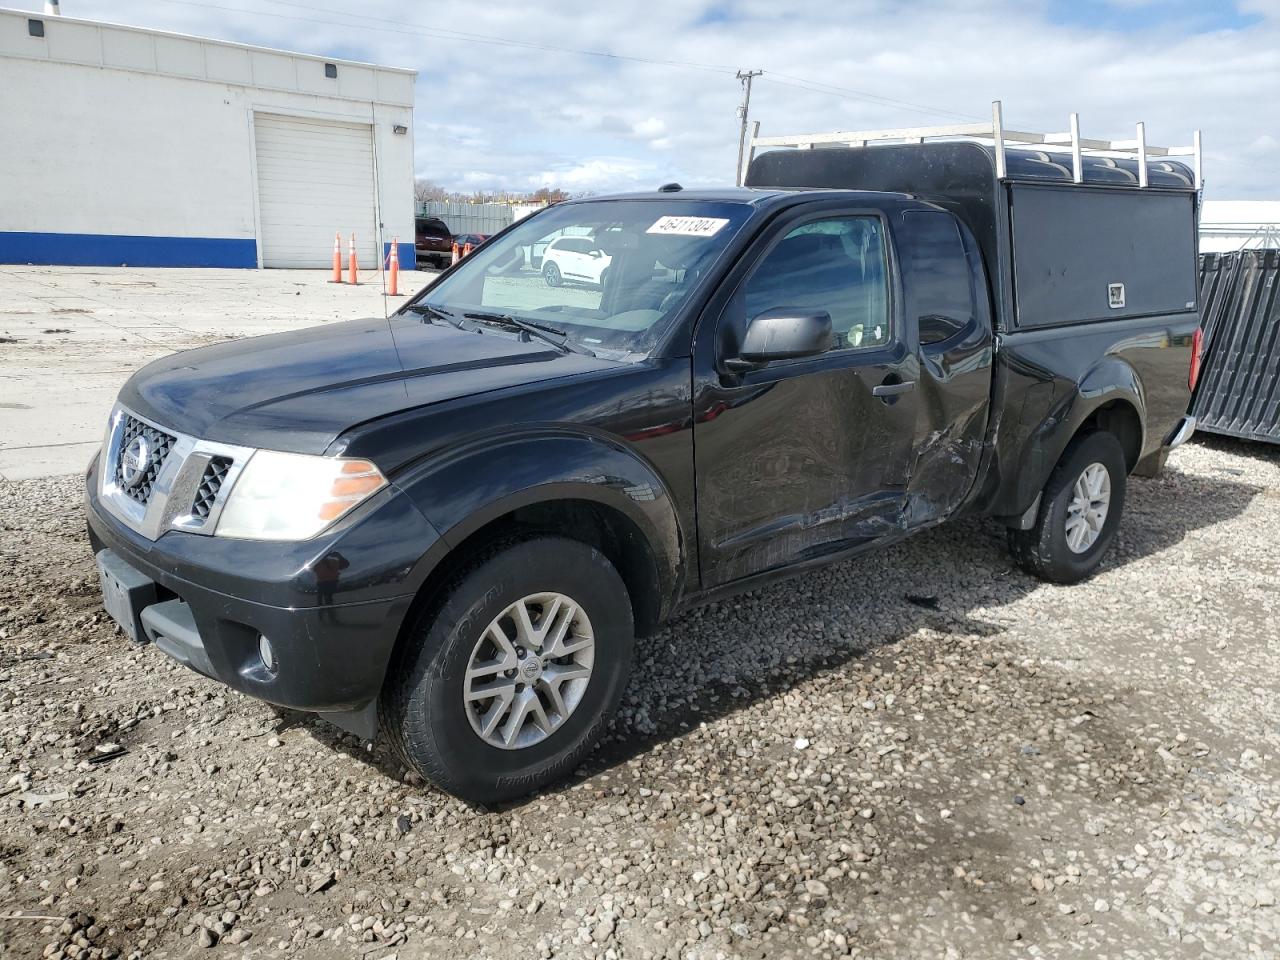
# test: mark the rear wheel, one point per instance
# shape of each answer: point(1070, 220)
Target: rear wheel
point(508, 685)
point(551, 274)
point(1080, 510)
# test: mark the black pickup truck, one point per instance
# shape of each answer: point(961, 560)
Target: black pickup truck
point(452, 525)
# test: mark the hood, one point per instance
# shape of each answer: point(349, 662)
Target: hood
point(299, 391)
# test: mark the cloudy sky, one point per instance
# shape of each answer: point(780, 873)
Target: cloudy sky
point(618, 94)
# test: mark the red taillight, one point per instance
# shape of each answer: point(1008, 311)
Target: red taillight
point(1197, 344)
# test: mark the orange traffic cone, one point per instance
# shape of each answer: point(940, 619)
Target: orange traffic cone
point(394, 291)
point(352, 269)
point(457, 255)
point(466, 251)
point(337, 258)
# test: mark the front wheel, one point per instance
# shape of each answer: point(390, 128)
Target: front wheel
point(551, 274)
point(508, 684)
point(1080, 510)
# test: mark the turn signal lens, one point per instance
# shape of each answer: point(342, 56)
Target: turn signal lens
point(290, 496)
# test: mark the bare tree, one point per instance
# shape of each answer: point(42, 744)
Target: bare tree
point(424, 190)
point(548, 195)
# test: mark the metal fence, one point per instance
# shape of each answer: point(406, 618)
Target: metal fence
point(486, 218)
point(1239, 389)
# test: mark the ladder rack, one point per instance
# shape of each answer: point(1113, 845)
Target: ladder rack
point(996, 133)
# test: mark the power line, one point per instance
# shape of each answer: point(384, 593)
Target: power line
point(815, 86)
point(445, 34)
point(364, 22)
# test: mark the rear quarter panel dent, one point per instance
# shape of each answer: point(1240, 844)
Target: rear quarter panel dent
point(1060, 380)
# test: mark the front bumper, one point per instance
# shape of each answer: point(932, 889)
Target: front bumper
point(331, 608)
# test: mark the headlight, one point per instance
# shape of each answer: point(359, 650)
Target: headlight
point(291, 496)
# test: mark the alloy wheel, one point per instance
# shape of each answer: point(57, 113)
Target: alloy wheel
point(528, 671)
point(1087, 509)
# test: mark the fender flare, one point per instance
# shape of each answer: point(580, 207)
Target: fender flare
point(477, 483)
point(1108, 381)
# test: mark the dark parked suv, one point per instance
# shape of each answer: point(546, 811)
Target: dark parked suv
point(432, 242)
point(453, 525)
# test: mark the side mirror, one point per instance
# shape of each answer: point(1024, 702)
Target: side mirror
point(784, 334)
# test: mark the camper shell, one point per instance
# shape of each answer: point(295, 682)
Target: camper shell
point(1055, 248)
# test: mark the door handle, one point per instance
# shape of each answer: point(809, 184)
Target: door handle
point(893, 389)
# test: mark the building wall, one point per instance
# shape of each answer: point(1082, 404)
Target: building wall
point(130, 146)
point(1229, 225)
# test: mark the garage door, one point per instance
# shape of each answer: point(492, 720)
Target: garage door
point(314, 178)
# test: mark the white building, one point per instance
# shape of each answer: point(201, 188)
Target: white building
point(1227, 225)
point(127, 146)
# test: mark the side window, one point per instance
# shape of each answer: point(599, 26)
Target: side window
point(837, 265)
point(938, 294)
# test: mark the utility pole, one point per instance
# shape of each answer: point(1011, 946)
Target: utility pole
point(743, 110)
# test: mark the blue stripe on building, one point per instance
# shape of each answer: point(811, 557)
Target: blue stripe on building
point(404, 255)
point(108, 250)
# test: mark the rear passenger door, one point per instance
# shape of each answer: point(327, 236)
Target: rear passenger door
point(803, 458)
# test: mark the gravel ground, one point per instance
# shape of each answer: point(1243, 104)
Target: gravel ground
point(918, 754)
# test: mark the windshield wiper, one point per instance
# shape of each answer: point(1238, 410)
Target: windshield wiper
point(541, 331)
point(427, 310)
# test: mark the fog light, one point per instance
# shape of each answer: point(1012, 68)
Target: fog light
point(267, 654)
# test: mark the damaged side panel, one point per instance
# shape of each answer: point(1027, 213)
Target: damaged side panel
point(946, 295)
point(794, 463)
point(803, 459)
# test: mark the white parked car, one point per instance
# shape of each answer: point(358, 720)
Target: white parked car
point(574, 258)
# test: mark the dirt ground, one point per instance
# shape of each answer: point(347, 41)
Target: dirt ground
point(918, 754)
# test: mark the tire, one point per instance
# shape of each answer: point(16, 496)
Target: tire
point(604, 277)
point(1046, 550)
point(551, 274)
point(422, 707)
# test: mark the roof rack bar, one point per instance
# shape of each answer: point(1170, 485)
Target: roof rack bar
point(1077, 162)
point(839, 136)
point(751, 152)
point(1066, 139)
point(1142, 154)
point(1195, 147)
point(1133, 146)
point(996, 133)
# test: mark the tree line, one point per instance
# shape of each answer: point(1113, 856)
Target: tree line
point(426, 190)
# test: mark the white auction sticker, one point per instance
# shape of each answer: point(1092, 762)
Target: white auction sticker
point(687, 226)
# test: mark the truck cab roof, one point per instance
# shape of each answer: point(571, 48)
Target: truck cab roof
point(760, 197)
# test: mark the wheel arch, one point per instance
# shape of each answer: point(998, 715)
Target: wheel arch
point(1109, 397)
point(569, 514)
point(1118, 416)
point(587, 487)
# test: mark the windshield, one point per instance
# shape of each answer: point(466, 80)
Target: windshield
point(609, 274)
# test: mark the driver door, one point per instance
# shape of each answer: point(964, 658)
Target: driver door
point(805, 457)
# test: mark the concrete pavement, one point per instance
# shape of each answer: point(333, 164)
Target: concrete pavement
point(71, 336)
